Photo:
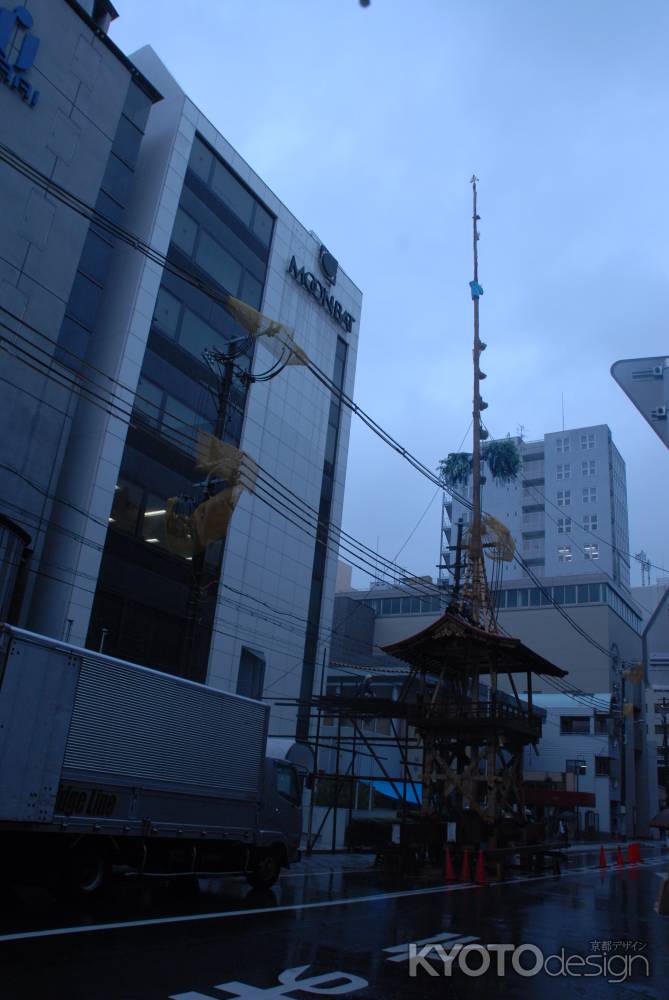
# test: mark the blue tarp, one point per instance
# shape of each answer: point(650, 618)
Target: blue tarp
point(394, 790)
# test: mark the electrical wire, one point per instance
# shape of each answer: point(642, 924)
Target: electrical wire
point(18, 163)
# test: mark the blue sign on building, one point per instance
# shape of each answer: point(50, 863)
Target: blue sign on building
point(17, 24)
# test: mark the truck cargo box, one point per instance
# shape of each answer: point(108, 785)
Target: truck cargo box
point(166, 750)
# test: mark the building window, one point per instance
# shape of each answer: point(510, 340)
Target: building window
point(564, 525)
point(575, 724)
point(602, 767)
point(589, 494)
point(251, 676)
point(587, 441)
point(591, 551)
point(601, 725)
point(564, 554)
point(589, 468)
point(563, 472)
point(590, 522)
point(563, 445)
point(563, 498)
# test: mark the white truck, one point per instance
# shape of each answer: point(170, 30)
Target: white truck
point(107, 764)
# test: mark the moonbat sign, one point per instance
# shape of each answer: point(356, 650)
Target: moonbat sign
point(321, 289)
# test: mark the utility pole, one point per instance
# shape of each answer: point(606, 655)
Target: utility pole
point(665, 762)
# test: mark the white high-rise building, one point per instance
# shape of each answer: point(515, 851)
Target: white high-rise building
point(567, 510)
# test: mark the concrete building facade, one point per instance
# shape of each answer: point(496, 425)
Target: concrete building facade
point(567, 510)
point(106, 421)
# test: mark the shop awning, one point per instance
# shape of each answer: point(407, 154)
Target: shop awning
point(395, 789)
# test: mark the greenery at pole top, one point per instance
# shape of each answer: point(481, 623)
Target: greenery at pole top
point(502, 458)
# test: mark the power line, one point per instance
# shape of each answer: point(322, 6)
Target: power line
point(76, 204)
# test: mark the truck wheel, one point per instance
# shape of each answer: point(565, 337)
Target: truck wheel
point(265, 871)
point(83, 875)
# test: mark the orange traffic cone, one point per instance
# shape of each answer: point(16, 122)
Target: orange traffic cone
point(619, 856)
point(465, 874)
point(449, 873)
point(602, 858)
point(633, 854)
point(480, 870)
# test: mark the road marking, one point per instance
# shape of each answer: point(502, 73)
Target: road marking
point(402, 952)
point(323, 904)
point(339, 984)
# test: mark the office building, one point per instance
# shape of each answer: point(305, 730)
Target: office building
point(107, 383)
point(567, 510)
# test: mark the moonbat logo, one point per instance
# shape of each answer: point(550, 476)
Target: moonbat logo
point(15, 28)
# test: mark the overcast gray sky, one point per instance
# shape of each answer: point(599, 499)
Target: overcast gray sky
point(368, 124)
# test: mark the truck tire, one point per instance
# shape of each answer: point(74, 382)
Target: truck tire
point(266, 870)
point(83, 874)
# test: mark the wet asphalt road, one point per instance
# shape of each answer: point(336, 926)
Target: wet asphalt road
point(143, 943)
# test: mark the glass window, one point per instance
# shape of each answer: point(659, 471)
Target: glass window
point(575, 724)
point(565, 554)
point(589, 468)
point(127, 141)
point(184, 232)
point(95, 256)
point(179, 423)
point(570, 594)
point(395, 605)
point(232, 193)
point(110, 209)
point(563, 471)
point(558, 594)
point(223, 268)
point(594, 592)
point(287, 784)
point(406, 605)
point(564, 498)
point(149, 400)
point(73, 340)
point(523, 599)
point(590, 494)
point(262, 225)
point(166, 313)
point(582, 593)
point(587, 440)
point(590, 522)
point(251, 290)
point(153, 520)
point(535, 597)
point(546, 596)
point(201, 160)
point(591, 551)
point(512, 598)
point(117, 179)
point(501, 599)
point(137, 106)
point(195, 335)
point(126, 506)
point(564, 525)
point(84, 300)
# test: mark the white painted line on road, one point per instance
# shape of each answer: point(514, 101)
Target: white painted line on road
point(395, 949)
point(404, 950)
point(323, 904)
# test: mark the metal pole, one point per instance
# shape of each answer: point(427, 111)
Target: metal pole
point(664, 751)
point(316, 751)
point(336, 801)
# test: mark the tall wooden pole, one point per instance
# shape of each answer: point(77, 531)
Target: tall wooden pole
point(475, 548)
